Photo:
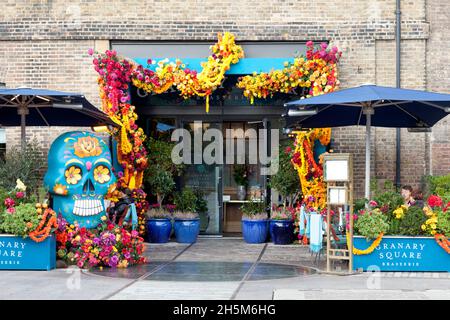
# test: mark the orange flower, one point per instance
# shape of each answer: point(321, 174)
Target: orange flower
point(87, 147)
point(60, 189)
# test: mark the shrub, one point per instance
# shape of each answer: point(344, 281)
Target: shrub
point(186, 201)
point(21, 222)
point(410, 224)
point(371, 224)
point(157, 213)
point(286, 180)
point(443, 223)
point(254, 210)
point(438, 185)
point(282, 213)
point(25, 165)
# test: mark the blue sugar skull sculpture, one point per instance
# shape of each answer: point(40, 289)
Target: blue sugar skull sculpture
point(79, 176)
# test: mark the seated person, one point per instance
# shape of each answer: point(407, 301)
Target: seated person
point(119, 209)
point(412, 198)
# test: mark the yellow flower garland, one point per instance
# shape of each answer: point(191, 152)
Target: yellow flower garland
point(370, 249)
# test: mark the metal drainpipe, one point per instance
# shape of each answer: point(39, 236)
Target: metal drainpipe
point(398, 136)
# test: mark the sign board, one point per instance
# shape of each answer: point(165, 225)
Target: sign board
point(17, 253)
point(397, 253)
point(337, 167)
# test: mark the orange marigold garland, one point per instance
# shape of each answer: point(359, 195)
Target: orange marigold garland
point(47, 223)
point(443, 242)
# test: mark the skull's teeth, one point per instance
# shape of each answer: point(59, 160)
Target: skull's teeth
point(87, 207)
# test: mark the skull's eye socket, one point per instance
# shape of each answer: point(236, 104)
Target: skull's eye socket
point(73, 175)
point(102, 174)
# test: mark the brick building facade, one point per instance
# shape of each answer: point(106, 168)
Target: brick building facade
point(44, 44)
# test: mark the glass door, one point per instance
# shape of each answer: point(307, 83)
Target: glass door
point(204, 179)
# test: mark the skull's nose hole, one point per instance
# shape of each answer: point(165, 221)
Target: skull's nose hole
point(88, 186)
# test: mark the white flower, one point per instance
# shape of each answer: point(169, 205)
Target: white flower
point(20, 186)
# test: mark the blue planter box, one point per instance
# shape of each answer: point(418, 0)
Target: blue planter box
point(17, 253)
point(398, 253)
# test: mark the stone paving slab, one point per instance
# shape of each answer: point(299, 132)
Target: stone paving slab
point(224, 249)
point(162, 290)
point(164, 251)
point(56, 285)
point(330, 294)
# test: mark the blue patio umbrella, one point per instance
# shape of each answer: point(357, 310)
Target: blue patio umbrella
point(369, 105)
point(40, 107)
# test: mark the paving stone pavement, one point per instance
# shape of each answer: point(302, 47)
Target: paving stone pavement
point(221, 268)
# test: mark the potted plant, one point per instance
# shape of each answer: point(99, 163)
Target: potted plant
point(240, 175)
point(27, 240)
point(286, 180)
point(282, 225)
point(202, 210)
point(159, 225)
point(187, 222)
point(255, 225)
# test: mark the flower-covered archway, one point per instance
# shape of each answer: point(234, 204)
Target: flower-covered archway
point(316, 71)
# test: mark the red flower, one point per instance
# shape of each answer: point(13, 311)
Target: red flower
point(434, 201)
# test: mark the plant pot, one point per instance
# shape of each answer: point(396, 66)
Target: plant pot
point(282, 231)
point(187, 230)
point(159, 230)
point(241, 193)
point(17, 253)
point(255, 231)
point(402, 253)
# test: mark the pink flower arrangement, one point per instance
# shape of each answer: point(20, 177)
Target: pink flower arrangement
point(373, 203)
point(108, 245)
point(9, 202)
point(20, 195)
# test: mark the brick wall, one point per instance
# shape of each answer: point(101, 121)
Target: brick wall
point(44, 44)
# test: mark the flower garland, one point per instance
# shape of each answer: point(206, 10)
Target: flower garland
point(370, 249)
point(45, 226)
point(190, 83)
point(310, 172)
point(443, 242)
point(316, 70)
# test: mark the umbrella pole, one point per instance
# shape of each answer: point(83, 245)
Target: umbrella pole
point(22, 113)
point(367, 182)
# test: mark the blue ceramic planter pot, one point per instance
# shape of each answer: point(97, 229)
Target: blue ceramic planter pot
point(186, 230)
point(255, 231)
point(158, 230)
point(282, 231)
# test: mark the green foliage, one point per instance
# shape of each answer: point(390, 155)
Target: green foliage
point(371, 224)
point(388, 198)
point(186, 201)
point(254, 210)
point(157, 213)
point(160, 157)
point(410, 224)
point(286, 180)
point(359, 204)
point(25, 165)
point(438, 185)
point(201, 205)
point(162, 183)
point(16, 223)
point(443, 222)
point(240, 174)
point(3, 195)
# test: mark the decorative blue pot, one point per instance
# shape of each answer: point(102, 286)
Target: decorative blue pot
point(17, 253)
point(282, 231)
point(402, 253)
point(186, 230)
point(255, 231)
point(158, 230)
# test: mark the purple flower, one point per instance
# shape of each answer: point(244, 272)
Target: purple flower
point(113, 261)
point(323, 45)
point(90, 51)
point(309, 44)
